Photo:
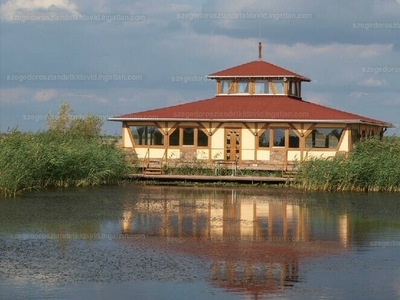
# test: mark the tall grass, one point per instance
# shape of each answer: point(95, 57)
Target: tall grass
point(53, 159)
point(373, 165)
point(70, 153)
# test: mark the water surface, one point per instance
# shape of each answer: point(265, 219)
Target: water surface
point(135, 242)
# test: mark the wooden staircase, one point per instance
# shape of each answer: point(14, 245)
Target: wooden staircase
point(153, 167)
point(289, 171)
point(289, 174)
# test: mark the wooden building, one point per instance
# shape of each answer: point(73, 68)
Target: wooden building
point(257, 119)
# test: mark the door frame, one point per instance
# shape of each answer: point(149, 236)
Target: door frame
point(239, 133)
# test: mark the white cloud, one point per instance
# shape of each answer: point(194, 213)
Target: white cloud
point(73, 97)
point(373, 82)
point(359, 94)
point(45, 95)
point(17, 95)
point(333, 50)
point(12, 8)
point(317, 98)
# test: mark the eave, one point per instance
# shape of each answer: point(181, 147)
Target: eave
point(388, 125)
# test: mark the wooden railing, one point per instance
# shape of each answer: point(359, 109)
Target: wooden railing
point(146, 160)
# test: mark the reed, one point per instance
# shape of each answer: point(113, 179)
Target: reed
point(373, 165)
point(70, 153)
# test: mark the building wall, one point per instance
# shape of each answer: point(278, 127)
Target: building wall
point(250, 153)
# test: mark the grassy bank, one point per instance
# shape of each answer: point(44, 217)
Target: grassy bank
point(373, 165)
point(48, 159)
point(71, 152)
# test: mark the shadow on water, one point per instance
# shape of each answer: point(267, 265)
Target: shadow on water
point(247, 241)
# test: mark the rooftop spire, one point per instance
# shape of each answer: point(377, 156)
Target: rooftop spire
point(259, 51)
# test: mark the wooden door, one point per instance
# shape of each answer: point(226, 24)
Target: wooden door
point(232, 144)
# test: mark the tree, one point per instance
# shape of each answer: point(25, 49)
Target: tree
point(67, 122)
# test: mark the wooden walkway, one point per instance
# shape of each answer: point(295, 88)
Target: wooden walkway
point(204, 178)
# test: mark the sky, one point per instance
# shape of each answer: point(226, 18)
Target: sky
point(110, 58)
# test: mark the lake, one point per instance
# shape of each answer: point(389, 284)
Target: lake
point(166, 242)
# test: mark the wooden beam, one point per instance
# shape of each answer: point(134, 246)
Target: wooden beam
point(295, 130)
point(216, 128)
point(251, 87)
point(341, 138)
point(256, 141)
point(285, 87)
point(231, 87)
point(350, 137)
point(309, 130)
point(218, 87)
point(203, 128)
point(249, 128)
point(173, 128)
point(261, 130)
point(131, 136)
point(272, 87)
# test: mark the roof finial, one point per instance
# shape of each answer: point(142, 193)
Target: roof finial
point(259, 51)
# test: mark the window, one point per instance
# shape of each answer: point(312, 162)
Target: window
point(324, 138)
point(294, 140)
point(278, 85)
point(188, 136)
point(371, 133)
point(292, 89)
point(225, 85)
point(355, 136)
point(147, 135)
point(263, 139)
point(243, 87)
point(261, 87)
point(174, 138)
point(202, 139)
point(279, 137)
point(191, 136)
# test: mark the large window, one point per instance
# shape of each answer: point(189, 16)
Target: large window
point(202, 139)
point(225, 85)
point(263, 139)
point(324, 138)
point(355, 136)
point(188, 136)
point(174, 137)
point(147, 135)
point(278, 85)
point(279, 137)
point(191, 136)
point(294, 140)
point(243, 87)
point(261, 87)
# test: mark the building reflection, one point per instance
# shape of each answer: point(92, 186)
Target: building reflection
point(255, 243)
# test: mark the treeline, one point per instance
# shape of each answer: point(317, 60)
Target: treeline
point(373, 165)
point(71, 152)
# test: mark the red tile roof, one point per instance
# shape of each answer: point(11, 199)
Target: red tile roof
point(262, 108)
point(257, 68)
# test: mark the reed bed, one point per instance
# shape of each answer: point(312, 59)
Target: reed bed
point(52, 159)
point(373, 165)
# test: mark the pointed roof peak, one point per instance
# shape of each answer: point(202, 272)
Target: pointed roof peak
point(257, 68)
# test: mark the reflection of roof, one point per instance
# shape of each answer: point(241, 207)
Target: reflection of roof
point(257, 68)
point(243, 108)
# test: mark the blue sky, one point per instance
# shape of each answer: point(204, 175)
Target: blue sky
point(115, 57)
